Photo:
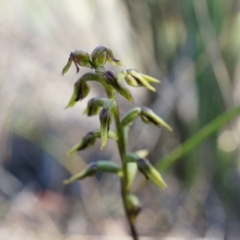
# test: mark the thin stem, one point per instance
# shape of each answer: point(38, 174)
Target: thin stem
point(124, 180)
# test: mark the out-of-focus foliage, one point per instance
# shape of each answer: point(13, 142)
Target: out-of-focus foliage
point(192, 46)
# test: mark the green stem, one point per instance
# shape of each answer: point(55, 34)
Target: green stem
point(124, 180)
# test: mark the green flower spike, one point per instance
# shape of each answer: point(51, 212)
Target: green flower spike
point(94, 167)
point(105, 121)
point(151, 173)
point(137, 79)
point(149, 117)
point(112, 80)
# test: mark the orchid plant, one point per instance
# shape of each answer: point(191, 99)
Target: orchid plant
point(108, 111)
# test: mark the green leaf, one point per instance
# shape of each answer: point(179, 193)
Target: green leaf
point(197, 138)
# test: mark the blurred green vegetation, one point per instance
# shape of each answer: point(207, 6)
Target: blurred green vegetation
point(205, 33)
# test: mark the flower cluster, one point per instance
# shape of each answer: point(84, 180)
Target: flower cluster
point(107, 109)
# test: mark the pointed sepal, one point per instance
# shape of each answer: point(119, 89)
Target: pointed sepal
point(149, 117)
point(151, 173)
point(67, 66)
point(136, 79)
point(111, 78)
point(105, 121)
point(80, 91)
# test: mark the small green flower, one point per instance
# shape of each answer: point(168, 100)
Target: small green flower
point(80, 91)
point(105, 121)
point(94, 106)
point(94, 167)
point(79, 58)
point(150, 172)
point(111, 78)
point(88, 171)
point(85, 143)
point(149, 117)
point(137, 79)
point(101, 55)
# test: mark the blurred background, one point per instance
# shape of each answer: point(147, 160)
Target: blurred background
point(192, 46)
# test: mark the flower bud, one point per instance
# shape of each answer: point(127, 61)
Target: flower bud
point(80, 91)
point(81, 88)
point(101, 55)
point(130, 116)
point(112, 80)
point(93, 168)
point(94, 105)
point(149, 117)
point(88, 171)
point(105, 121)
point(82, 59)
point(137, 79)
point(85, 143)
point(134, 207)
point(151, 173)
point(79, 58)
